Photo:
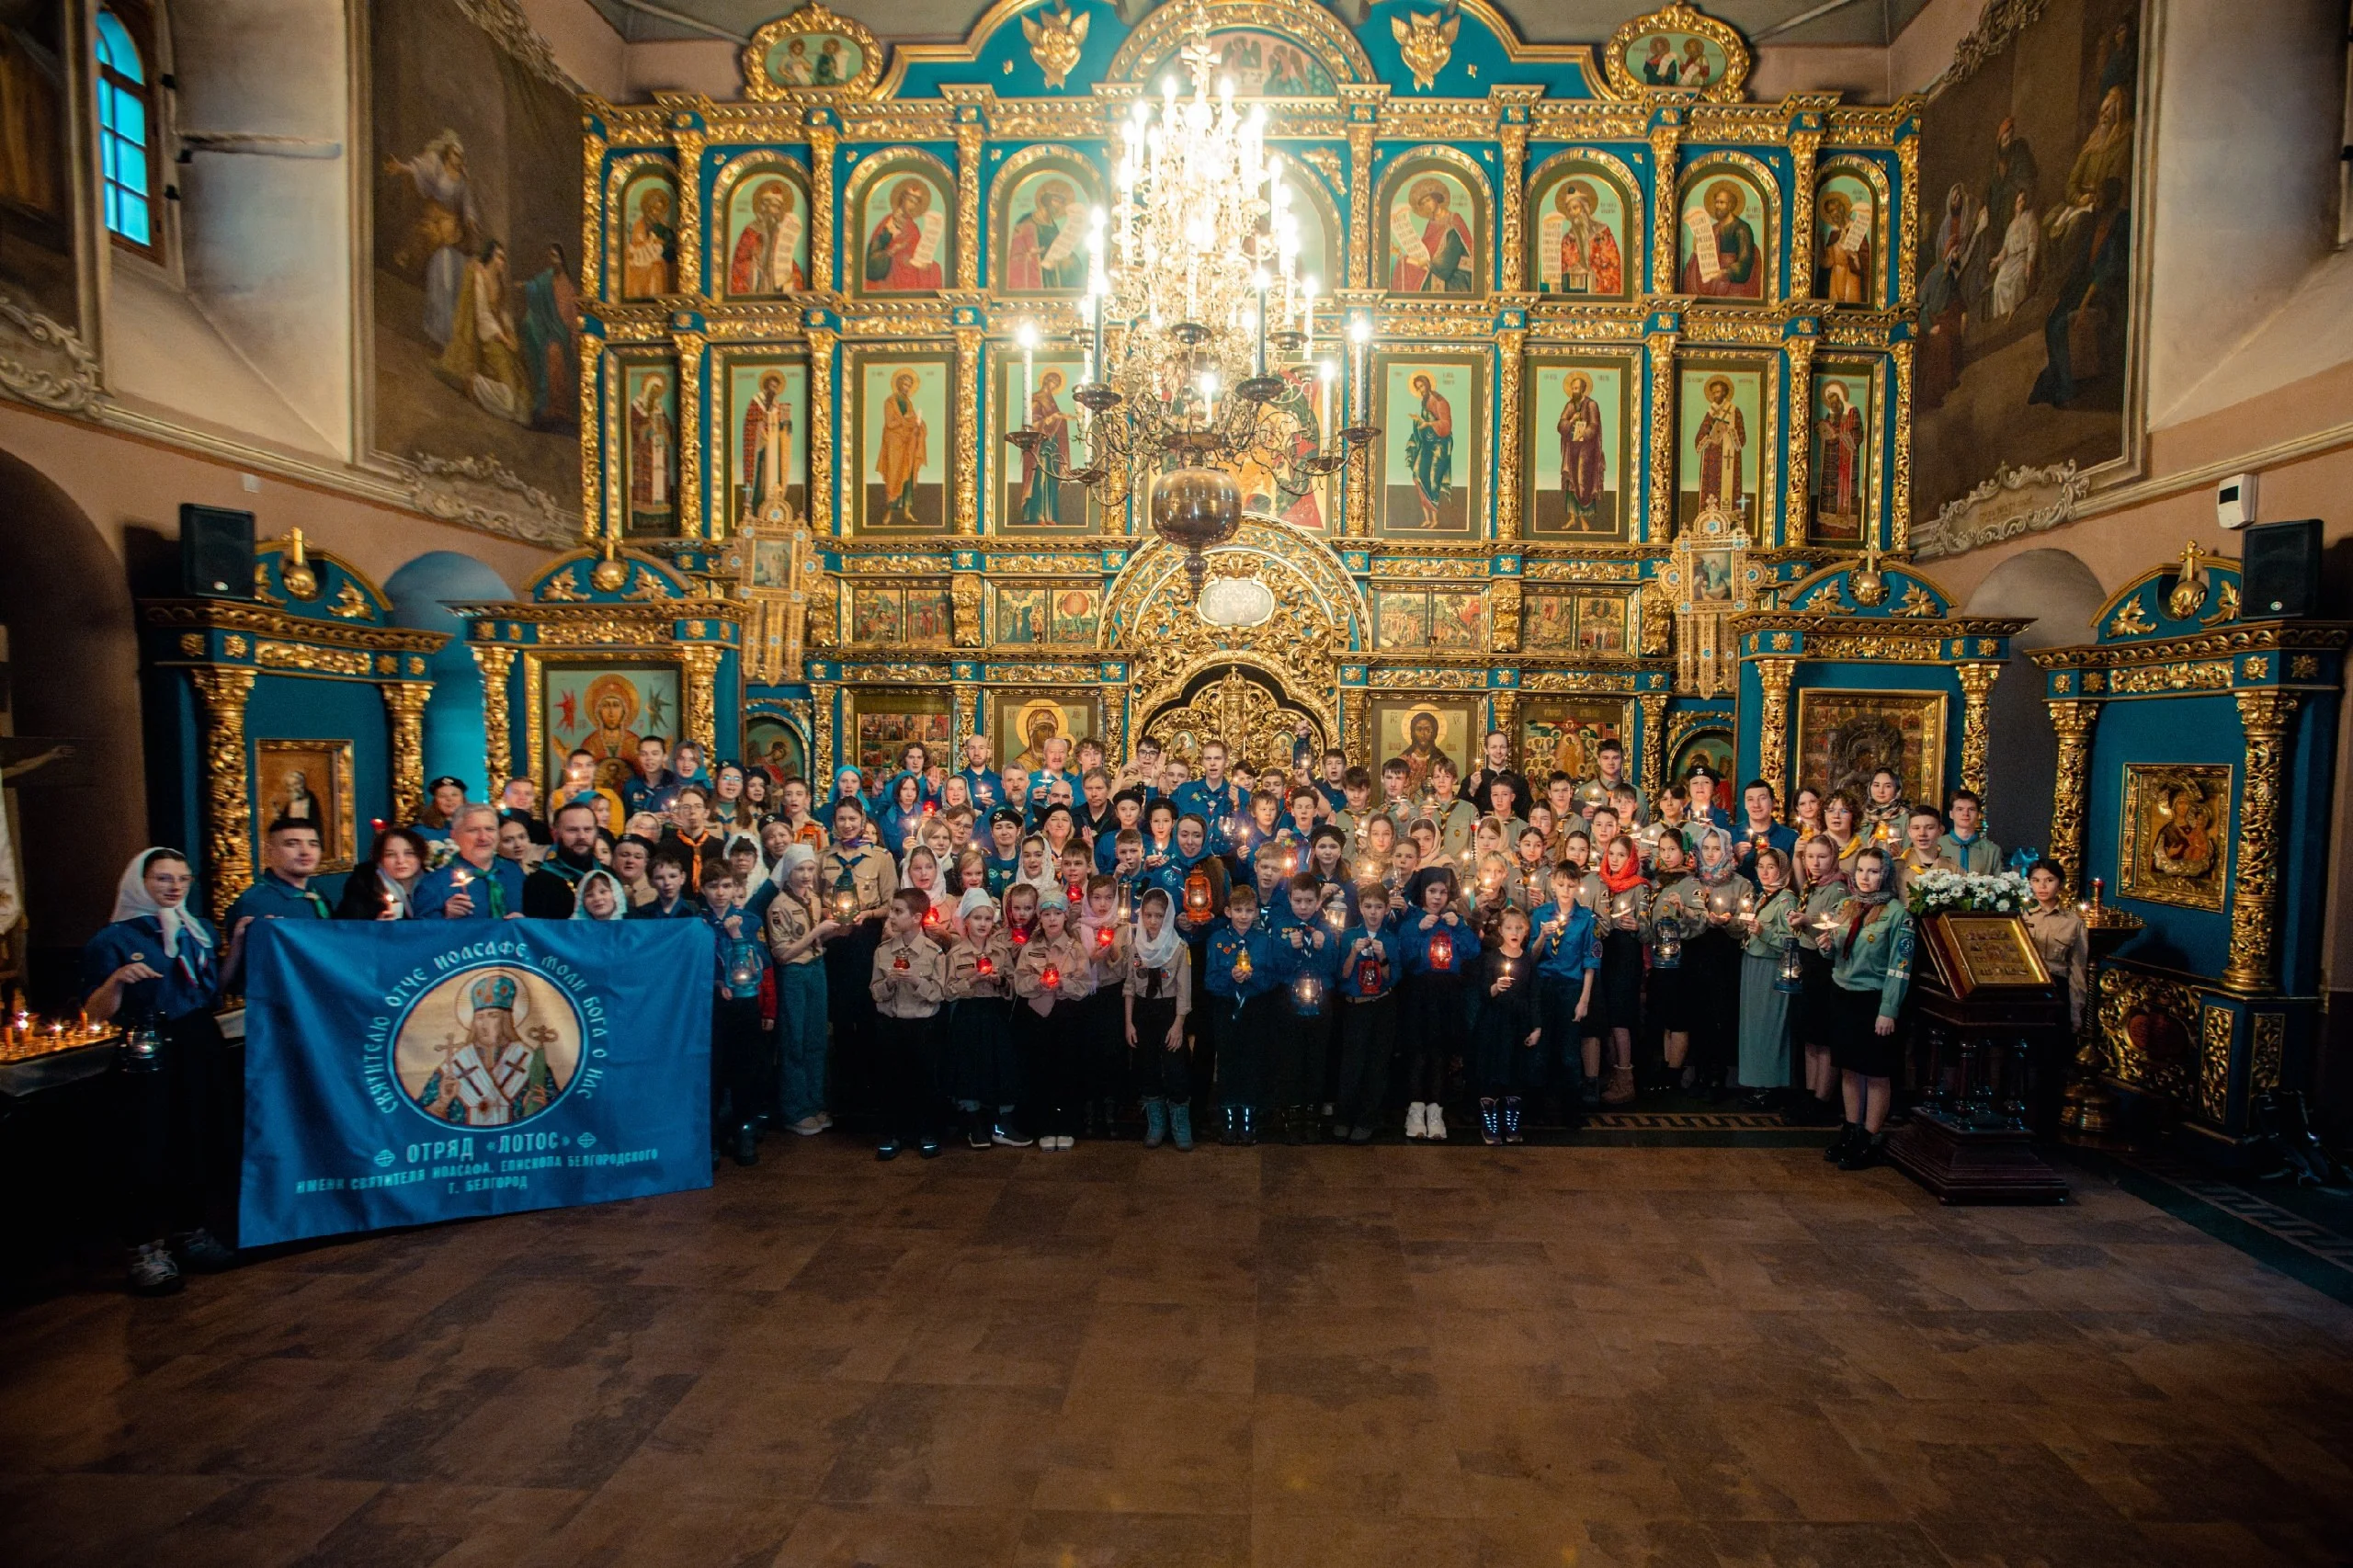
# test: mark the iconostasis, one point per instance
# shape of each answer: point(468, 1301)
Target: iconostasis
point(1608, 296)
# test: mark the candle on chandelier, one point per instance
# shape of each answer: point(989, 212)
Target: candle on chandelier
point(1027, 337)
point(1307, 315)
point(1360, 333)
point(1327, 373)
point(1260, 283)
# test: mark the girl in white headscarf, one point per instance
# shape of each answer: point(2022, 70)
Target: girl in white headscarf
point(156, 969)
point(600, 896)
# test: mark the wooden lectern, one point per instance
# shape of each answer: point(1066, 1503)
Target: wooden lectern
point(1982, 996)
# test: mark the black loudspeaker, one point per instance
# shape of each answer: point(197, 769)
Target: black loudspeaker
point(2280, 571)
point(216, 552)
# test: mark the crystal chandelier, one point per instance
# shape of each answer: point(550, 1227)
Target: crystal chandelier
point(1201, 365)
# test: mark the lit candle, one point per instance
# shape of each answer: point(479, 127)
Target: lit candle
point(1027, 337)
point(1260, 280)
point(1053, 977)
point(1361, 332)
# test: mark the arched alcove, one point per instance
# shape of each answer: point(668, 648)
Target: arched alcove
point(73, 675)
point(421, 592)
point(2022, 760)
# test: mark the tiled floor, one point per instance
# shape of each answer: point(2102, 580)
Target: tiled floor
point(1394, 1355)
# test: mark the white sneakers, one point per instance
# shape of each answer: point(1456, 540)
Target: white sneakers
point(1434, 1123)
point(1417, 1123)
point(1057, 1140)
point(809, 1126)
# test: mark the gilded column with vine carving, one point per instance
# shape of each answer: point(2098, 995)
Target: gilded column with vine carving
point(1773, 677)
point(592, 372)
point(1797, 520)
point(2073, 723)
point(822, 138)
point(1357, 515)
point(1503, 713)
point(497, 720)
point(2266, 717)
point(1363, 106)
point(1907, 154)
point(968, 712)
point(405, 711)
point(1356, 715)
point(1658, 527)
point(1514, 137)
point(1976, 687)
point(970, 131)
point(825, 755)
point(701, 660)
point(1899, 508)
point(1653, 706)
point(690, 238)
point(1667, 152)
point(823, 508)
point(691, 477)
point(1509, 346)
point(221, 694)
point(592, 216)
point(1804, 146)
point(967, 514)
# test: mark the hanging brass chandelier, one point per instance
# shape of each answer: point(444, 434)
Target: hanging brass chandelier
point(1199, 360)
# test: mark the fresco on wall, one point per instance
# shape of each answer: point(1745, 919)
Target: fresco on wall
point(2028, 176)
point(1581, 235)
point(1432, 228)
point(905, 221)
point(35, 199)
point(477, 217)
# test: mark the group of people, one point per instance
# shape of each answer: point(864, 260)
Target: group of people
point(1087, 949)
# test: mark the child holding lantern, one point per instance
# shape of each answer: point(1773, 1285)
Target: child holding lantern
point(1439, 949)
point(1243, 976)
point(1053, 974)
point(983, 1072)
point(1504, 1039)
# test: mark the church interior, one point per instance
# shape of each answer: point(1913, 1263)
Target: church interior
point(1022, 528)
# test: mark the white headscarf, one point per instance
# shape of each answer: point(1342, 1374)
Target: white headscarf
point(1157, 952)
point(580, 897)
point(132, 900)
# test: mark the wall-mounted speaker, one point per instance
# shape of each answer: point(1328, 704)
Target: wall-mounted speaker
point(2280, 571)
point(216, 552)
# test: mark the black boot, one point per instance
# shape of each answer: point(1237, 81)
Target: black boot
point(1867, 1152)
point(1511, 1119)
point(747, 1144)
point(1849, 1134)
point(1229, 1127)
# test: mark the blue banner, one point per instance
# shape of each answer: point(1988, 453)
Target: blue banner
point(403, 1072)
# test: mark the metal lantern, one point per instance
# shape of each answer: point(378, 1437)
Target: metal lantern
point(1441, 950)
point(1666, 943)
point(742, 972)
point(1197, 509)
point(1789, 979)
point(1197, 894)
point(140, 1045)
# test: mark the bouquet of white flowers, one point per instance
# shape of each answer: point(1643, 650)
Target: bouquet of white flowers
point(1967, 893)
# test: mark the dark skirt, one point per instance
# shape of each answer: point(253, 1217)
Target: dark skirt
point(1617, 989)
point(1810, 1021)
point(1855, 1044)
point(983, 1067)
point(1674, 994)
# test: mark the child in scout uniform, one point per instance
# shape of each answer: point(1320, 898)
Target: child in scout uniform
point(1870, 957)
point(983, 1072)
point(1370, 966)
point(1053, 974)
point(798, 930)
point(737, 1041)
point(907, 982)
point(1155, 997)
point(1243, 977)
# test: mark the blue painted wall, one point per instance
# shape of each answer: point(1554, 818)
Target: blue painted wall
point(454, 735)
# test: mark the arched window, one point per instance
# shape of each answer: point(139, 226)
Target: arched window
point(126, 130)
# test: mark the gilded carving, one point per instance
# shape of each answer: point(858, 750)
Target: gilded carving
point(690, 464)
point(1773, 677)
point(1504, 614)
point(1976, 687)
point(2269, 1055)
point(2072, 722)
point(1653, 706)
point(498, 739)
point(822, 141)
point(964, 600)
point(823, 511)
point(967, 505)
point(1658, 527)
point(1508, 455)
point(1797, 506)
point(404, 709)
point(2214, 1063)
point(2148, 1028)
point(1356, 715)
point(1666, 141)
point(701, 660)
point(221, 694)
point(2265, 718)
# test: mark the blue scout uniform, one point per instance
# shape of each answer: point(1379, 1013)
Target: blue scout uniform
point(1213, 806)
point(497, 891)
point(984, 787)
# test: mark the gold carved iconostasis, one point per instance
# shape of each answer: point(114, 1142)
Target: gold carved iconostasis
point(1621, 316)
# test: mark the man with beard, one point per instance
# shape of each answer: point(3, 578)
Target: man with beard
point(550, 891)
